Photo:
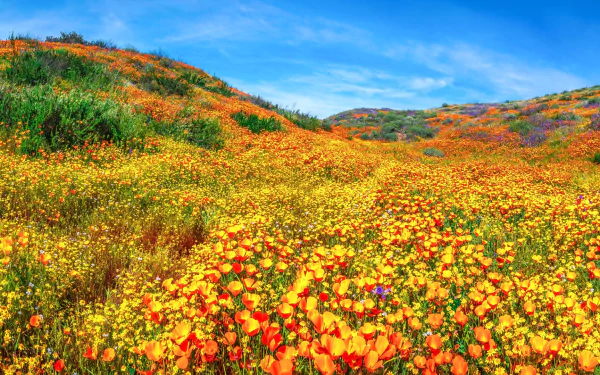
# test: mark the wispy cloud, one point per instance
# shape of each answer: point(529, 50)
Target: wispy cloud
point(334, 88)
point(471, 66)
point(258, 21)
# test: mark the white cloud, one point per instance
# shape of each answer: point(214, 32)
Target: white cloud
point(502, 74)
point(428, 83)
point(335, 88)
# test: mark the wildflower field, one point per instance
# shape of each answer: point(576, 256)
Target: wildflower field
point(154, 220)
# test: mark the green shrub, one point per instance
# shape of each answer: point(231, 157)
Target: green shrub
point(41, 66)
point(152, 81)
point(434, 152)
point(203, 132)
point(422, 131)
point(594, 100)
point(59, 121)
point(521, 127)
point(218, 87)
point(390, 137)
point(596, 158)
point(301, 120)
point(70, 37)
point(255, 123)
point(365, 136)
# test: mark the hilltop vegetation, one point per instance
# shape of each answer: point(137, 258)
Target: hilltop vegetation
point(552, 120)
point(155, 220)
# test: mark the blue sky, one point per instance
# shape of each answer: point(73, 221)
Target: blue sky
point(324, 57)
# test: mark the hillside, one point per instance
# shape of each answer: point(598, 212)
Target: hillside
point(154, 220)
point(551, 120)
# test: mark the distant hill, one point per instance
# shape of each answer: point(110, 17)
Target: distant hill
point(528, 122)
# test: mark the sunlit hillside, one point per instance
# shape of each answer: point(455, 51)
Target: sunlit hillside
point(154, 220)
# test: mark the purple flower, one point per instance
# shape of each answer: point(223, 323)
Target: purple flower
point(380, 291)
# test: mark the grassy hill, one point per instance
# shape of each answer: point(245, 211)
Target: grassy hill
point(154, 220)
point(553, 120)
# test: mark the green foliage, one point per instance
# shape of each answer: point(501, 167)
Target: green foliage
point(24, 37)
point(594, 100)
point(58, 121)
point(41, 66)
point(301, 120)
point(390, 137)
point(255, 123)
point(152, 81)
point(203, 132)
point(521, 127)
point(421, 131)
point(596, 158)
point(434, 152)
point(67, 37)
point(218, 87)
point(365, 136)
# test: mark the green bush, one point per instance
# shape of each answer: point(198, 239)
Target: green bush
point(59, 121)
point(255, 123)
point(365, 136)
point(301, 120)
point(41, 66)
point(75, 38)
point(196, 80)
point(413, 131)
point(70, 37)
point(596, 158)
point(390, 137)
point(434, 152)
point(521, 127)
point(203, 132)
point(152, 81)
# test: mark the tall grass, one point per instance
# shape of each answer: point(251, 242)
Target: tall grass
point(255, 123)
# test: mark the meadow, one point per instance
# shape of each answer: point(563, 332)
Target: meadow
point(154, 220)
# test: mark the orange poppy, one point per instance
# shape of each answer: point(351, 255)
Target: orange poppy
point(482, 335)
point(251, 327)
point(475, 351)
point(372, 361)
point(529, 308)
point(461, 318)
point(154, 351)
point(459, 366)
point(324, 364)
point(35, 321)
point(420, 361)
point(554, 346)
point(182, 363)
point(587, 361)
point(528, 370)
point(230, 338)
point(539, 345)
point(108, 355)
point(285, 310)
point(435, 320)
point(434, 342)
